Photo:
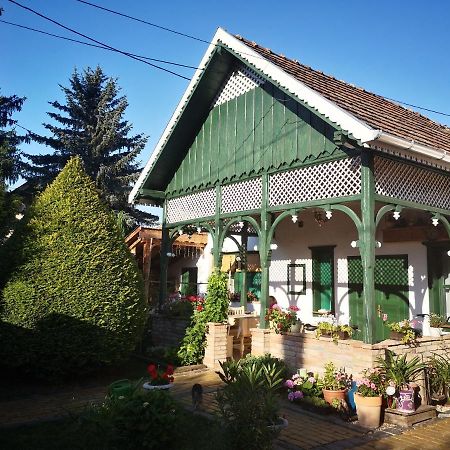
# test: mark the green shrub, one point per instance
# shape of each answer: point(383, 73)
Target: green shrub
point(145, 420)
point(75, 295)
point(248, 404)
point(215, 309)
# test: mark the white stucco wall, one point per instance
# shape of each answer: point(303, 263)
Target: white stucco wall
point(293, 247)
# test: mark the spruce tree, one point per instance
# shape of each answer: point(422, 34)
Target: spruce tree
point(75, 298)
point(10, 161)
point(91, 125)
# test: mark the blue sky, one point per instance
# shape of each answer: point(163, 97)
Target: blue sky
point(398, 49)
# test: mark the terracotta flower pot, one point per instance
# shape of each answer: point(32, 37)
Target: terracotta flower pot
point(368, 410)
point(396, 335)
point(329, 395)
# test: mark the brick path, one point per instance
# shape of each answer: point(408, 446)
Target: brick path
point(305, 430)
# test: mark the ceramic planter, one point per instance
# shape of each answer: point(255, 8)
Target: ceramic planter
point(150, 387)
point(368, 410)
point(435, 332)
point(329, 395)
point(405, 402)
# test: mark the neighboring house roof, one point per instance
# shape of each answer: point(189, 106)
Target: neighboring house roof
point(143, 234)
point(368, 118)
point(376, 111)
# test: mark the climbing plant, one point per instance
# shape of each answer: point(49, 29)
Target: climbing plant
point(215, 309)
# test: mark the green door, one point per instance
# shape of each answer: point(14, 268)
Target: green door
point(188, 285)
point(439, 278)
point(323, 278)
point(391, 292)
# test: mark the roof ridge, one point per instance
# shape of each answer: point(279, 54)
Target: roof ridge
point(436, 126)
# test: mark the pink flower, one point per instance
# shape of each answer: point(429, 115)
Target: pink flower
point(372, 385)
point(289, 384)
point(385, 317)
point(312, 380)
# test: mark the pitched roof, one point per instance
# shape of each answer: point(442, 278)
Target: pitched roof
point(369, 118)
point(376, 111)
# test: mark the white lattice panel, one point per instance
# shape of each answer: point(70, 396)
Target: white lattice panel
point(242, 196)
point(237, 83)
point(341, 178)
point(192, 206)
point(411, 183)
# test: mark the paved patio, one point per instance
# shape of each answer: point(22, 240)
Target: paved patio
point(305, 430)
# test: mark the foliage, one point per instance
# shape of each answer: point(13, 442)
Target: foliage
point(159, 377)
point(10, 163)
point(75, 299)
point(182, 306)
point(144, 420)
point(91, 125)
point(230, 369)
point(436, 320)
point(213, 309)
point(333, 330)
point(334, 379)
point(281, 321)
point(216, 303)
point(404, 327)
point(397, 369)
point(439, 374)
point(248, 403)
point(372, 384)
point(303, 386)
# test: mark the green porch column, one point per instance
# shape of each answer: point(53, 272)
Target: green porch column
point(243, 256)
point(265, 256)
point(367, 244)
point(164, 264)
point(217, 246)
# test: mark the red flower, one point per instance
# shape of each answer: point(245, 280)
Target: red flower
point(294, 308)
point(169, 369)
point(279, 325)
point(151, 369)
point(199, 308)
point(192, 298)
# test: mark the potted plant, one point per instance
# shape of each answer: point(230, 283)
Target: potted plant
point(248, 403)
point(159, 378)
point(334, 331)
point(439, 376)
point(436, 321)
point(402, 331)
point(335, 383)
point(281, 321)
point(400, 373)
point(368, 397)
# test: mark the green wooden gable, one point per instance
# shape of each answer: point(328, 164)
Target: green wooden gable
point(261, 130)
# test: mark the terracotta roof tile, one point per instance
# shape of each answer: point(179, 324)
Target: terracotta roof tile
point(374, 110)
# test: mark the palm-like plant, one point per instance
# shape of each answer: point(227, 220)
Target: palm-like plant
point(439, 373)
point(398, 369)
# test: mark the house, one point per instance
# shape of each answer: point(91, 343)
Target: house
point(343, 194)
point(186, 261)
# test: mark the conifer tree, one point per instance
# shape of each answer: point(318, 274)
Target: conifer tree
point(75, 295)
point(91, 125)
point(10, 161)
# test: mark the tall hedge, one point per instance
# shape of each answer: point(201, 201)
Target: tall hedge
point(75, 299)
